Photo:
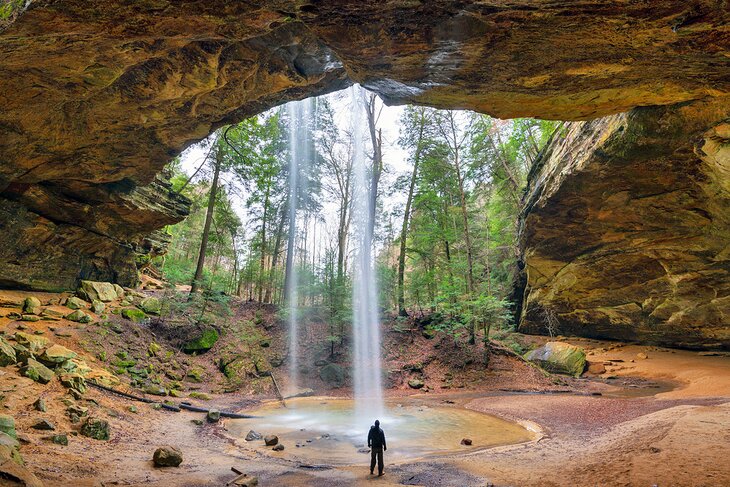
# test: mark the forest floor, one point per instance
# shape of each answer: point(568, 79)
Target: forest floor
point(663, 420)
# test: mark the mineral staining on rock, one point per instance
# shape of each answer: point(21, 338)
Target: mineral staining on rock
point(78, 194)
point(625, 232)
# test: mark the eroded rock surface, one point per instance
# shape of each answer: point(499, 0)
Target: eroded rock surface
point(626, 230)
point(97, 97)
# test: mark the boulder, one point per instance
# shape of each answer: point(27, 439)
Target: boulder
point(416, 383)
point(134, 314)
point(37, 371)
point(56, 354)
point(333, 375)
point(95, 428)
point(32, 305)
point(253, 435)
point(560, 358)
point(102, 291)
point(167, 456)
point(271, 440)
point(76, 303)
point(7, 353)
point(151, 305)
point(35, 343)
point(203, 343)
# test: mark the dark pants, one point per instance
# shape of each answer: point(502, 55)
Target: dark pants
point(376, 454)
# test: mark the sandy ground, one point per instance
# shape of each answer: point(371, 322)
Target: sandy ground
point(680, 437)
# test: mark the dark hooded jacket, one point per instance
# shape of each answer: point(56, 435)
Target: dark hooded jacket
point(376, 437)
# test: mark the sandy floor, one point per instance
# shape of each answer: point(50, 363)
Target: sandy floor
point(680, 437)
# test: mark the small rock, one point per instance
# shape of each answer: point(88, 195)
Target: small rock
point(252, 435)
point(96, 428)
point(97, 306)
point(155, 390)
point(466, 441)
point(596, 368)
point(75, 382)
point(415, 383)
point(38, 372)
point(78, 316)
point(167, 456)
point(214, 416)
point(56, 354)
point(271, 440)
point(151, 306)
point(59, 439)
point(198, 422)
point(200, 395)
point(246, 481)
point(642, 356)
point(133, 409)
point(654, 449)
point(44, 424)
point(134, 314)
point(278, 447)
point(40, 405)
point(7, 425)
point(30, 318)
point(32, 305)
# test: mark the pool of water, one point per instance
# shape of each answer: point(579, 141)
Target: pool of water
point(326, 431)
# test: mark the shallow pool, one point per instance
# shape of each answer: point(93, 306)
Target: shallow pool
point(326, 431)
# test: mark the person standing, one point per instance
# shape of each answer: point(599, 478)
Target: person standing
point(376, 443)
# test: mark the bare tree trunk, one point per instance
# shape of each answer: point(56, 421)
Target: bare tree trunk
point(206, 227)
point(406, 221)
point(275, 255)
point(262, 260)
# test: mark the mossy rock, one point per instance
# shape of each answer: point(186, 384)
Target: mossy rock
point(203, 343)
point(56, 354)
point(96, 428)
point(97, 306)
point(76, 303)
point(195, 374)
point(7, 353)
point(134, 314)
point(36, 344)
point(32, 305)
point(74, 381)
point(199, 395)
point(151, 305)
point(560, 358)
point(78, 316)
point(7, 425)
point(38, 372)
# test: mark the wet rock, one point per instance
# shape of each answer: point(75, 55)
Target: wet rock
point(167, 456)
point(32, 305)
point(278, 447)
point(151, 306)
point(271, 440)
point(56, 354)
point(333, 375)
point(134, 314)
point(101, 291)
point(203, 343)
point(560, 358)
point(466, 441)
point(44, 424)
point(96, 428)
point(36, 371)
point(253, 435)
point(416, 383)
point(213, 416)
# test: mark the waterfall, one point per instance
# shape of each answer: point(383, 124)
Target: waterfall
point(366, 324)
point(301, 154)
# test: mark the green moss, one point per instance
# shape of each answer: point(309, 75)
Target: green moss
point(133, 314)
point(203, 343)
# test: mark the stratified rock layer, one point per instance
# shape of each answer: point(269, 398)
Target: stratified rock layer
point(97, 96)
point(626, 228)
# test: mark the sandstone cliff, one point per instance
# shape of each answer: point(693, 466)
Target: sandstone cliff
point(626, 228)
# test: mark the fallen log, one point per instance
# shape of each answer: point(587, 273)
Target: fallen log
point(224, 414)
point(169, 407)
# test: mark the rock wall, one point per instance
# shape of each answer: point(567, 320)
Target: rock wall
point(97, 96)
point(626, 228)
